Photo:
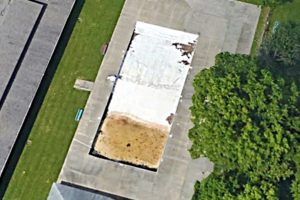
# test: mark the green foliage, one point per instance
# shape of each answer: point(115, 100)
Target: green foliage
point(212, 188)
point(247, 122)
point(271, 3)
point(296, 183)
point(281, 51)
point(286, 12)
point(231, 185)
point(274, 3)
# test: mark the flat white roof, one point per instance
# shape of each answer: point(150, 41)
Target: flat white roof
point(153, 73)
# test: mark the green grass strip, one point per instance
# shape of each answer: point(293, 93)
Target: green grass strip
point(259, 30)
point(52, 133)
point(256, 2)
point(289, 11)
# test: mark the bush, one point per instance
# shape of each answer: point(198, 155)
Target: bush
point(273, 3)
point(283, 47)
point(248, 124)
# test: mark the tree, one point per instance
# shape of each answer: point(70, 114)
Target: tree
point(296, 182)
point(274, 3)
point(231, 185)
point(246, 122)
point(280, 51)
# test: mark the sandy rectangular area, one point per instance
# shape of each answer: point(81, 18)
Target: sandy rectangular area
point(123, 138)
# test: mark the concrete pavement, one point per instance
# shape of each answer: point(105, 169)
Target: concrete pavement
point(223, 25)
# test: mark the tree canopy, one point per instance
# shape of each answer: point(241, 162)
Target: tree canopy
point(280, 51)
point(272, 3)
point(246, 122)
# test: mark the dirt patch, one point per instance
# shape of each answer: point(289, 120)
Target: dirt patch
point(125, 139)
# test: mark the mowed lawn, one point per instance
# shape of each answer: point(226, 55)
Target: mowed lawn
point(284, 13)
point(43, 156)
point(287, 12)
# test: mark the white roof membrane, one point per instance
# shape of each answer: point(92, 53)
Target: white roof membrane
point(153, 73)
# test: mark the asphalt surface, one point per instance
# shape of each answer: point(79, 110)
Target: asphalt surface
point(29, 33)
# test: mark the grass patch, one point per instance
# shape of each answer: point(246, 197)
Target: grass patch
point(287, 12)
point(256, 2)
point(52, 133)
point(259, 30)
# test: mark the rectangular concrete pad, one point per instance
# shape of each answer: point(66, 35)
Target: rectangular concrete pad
point(213, 21)
point(31, 71)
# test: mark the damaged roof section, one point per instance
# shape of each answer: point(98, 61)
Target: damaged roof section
point(153, 73)
point(146, 96)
